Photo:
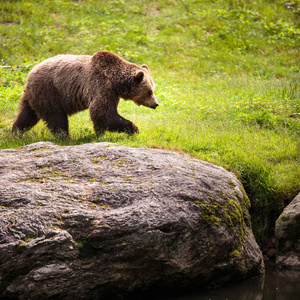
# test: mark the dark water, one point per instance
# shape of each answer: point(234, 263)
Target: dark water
point(276, 285)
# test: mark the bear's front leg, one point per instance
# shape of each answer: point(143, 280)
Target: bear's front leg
point(105, 119)
point(114, 123)
point(120, 124)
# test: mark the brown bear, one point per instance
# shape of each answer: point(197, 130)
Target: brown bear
point(65, 84)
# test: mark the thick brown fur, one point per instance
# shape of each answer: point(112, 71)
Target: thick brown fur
point(66, 84)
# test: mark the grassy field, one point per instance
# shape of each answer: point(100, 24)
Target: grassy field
point(226, 72)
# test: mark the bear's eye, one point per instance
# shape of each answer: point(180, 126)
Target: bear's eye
point(150, 93)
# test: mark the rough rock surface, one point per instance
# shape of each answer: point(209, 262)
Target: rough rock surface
point(287, 233)
point(101, 221)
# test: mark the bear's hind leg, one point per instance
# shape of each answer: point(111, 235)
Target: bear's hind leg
point(26, 119)
point(58, 123)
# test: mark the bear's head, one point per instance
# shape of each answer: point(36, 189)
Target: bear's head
point(131, 81)
point(142, 93)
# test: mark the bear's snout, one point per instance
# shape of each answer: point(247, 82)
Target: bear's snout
point(154, 105)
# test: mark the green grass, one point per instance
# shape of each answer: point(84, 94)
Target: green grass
point(226, 74)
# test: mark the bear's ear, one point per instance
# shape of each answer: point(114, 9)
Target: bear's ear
point(145, 67)
point(139, 76)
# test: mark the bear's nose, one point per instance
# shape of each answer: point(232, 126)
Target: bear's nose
point(154, 105)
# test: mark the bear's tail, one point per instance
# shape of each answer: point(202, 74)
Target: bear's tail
point(27, 117)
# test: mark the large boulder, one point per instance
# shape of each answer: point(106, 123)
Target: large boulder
point(98, 221)
point(287, 233)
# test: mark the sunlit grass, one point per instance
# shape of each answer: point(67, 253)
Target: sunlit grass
point(226, 75)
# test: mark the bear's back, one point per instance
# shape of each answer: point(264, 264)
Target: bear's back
point(60, 66)
point(65, 74)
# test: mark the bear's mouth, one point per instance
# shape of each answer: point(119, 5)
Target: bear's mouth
point(154, 105)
